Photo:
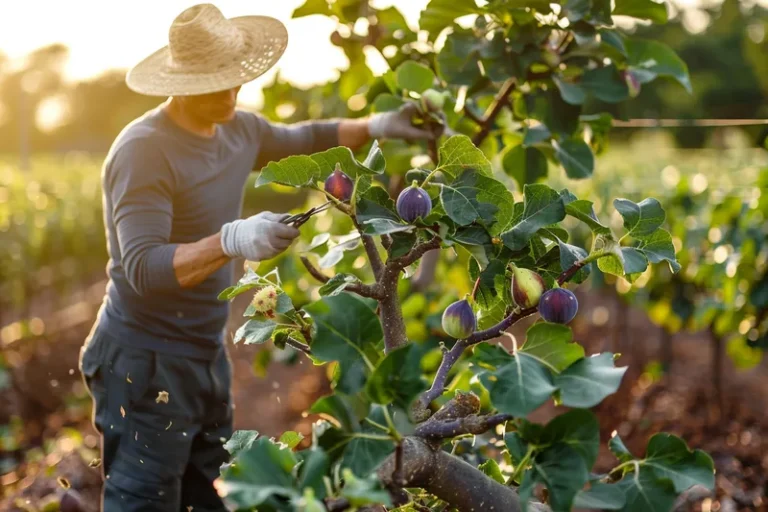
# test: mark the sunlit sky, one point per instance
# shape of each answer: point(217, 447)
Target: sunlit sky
point(104, 34)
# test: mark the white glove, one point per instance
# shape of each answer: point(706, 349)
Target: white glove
point(257, 238)
point(397, 125)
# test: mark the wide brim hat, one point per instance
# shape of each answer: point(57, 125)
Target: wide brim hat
point(209, 53)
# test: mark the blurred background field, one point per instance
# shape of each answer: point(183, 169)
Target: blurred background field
point(56, 126)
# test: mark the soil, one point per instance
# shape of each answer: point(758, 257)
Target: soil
point(54, 409)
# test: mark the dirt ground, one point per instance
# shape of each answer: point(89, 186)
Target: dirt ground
point(49, 398)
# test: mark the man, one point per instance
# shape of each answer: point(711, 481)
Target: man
point(155, 363)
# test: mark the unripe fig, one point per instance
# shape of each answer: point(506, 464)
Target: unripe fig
point(527, 287)
point(434, 97)
point(459, 320)
point(558, 305)
point(413, 202)
point(339, 185)
point(265, 301)
point(633, 83)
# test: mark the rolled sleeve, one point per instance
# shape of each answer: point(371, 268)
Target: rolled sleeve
point(279, 140)
point(141, 189)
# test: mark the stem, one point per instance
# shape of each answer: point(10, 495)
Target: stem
point(392, 428)
point(520, 468)
point(364, 290)
point(378, 425)
point(495, 109)
point(570, 272)
point(375, 437)
point(476, 287)
point(429, 176)
point(298, 346)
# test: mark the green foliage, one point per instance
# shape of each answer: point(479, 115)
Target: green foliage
point(516, 86)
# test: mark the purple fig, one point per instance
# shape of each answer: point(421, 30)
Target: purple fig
point(413, 202)
point(339, 185)
point(558, 305)
point(633, 83)
point(459, 320)
point(527, 287)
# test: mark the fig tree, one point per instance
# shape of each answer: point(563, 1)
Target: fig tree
point(339, 185)
point(558, 305)
point(413, 202)
point(527, 287)
point(459, 320)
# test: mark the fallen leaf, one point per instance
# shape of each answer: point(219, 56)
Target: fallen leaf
point(162, 396)
point(128, 378)
point(169, 425)
point(122, 411)
point(95, 463)
point(63, 482)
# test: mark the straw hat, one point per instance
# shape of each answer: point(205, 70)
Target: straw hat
point(208, 53)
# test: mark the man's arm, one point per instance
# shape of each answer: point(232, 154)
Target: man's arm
point(141, 187)
point(193, 263)
point(279, 140)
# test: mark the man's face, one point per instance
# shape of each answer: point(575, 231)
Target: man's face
point(215, 107)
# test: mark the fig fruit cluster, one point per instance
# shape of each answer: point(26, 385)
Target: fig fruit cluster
point(413, 203)
point(459, 320)
point(558, 305)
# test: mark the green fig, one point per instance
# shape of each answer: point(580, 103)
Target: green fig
point(435, 98)
point(527, 287)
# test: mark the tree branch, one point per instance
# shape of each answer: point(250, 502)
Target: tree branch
point(414, 254)
point(473, 424)
point(298, 345)
point(386, 241)
point(364, 290)
point(569, 273)
point(420, 409)
point(370, 249)
point(498, 103)
point(439, 473)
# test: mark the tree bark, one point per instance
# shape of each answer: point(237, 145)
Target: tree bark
point(450, 479)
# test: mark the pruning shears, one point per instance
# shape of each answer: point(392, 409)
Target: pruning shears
point(300, 218)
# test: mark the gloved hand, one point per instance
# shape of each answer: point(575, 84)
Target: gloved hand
point(257, 238)
point(397, 124)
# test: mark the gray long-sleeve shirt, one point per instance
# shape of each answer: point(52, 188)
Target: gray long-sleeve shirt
point(164, 186)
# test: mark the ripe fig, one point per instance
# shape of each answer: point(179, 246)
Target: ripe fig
point(413, 202)
point(339, 185)
point(558, 305)
point(265, 301)
point(459, 320)
point(632, 82)
point(527, 287)
point(435, 98)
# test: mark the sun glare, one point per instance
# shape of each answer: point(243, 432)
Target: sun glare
point(104, 35)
